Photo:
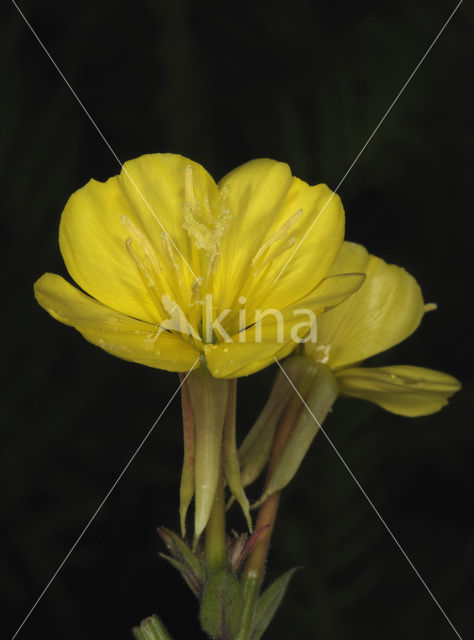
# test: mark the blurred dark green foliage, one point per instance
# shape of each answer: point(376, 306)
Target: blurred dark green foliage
point(304, 82)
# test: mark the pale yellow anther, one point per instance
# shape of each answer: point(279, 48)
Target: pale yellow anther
point(430, 306)
point(196, 290)
point(142, 241)
point(280, 233)
point(274, 255)
point(146, 270)
point(140, 264)
point(169, 250)
point(188, 185)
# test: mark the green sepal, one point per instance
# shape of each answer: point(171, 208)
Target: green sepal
point(208, 397)
point(222, 605)
point(230, 459)
point(268, 603)
point(151, 629)
point(257, 445)
point(183, 559)
point(186, 489)
point(319, 389)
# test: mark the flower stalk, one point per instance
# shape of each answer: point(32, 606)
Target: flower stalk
point(255, 566)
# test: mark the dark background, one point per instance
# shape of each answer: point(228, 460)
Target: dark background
point(304, 82)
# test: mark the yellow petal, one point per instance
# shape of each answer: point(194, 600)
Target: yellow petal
point(408, 391)
point(295, 321)
point(112, 331)
point(277, 333)
point(150, 193)
point(272, 211)
point(387, 309)
point(331, 292)
point(234, 360)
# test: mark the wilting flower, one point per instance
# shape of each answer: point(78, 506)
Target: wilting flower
point(175, 267)
point(387, 309)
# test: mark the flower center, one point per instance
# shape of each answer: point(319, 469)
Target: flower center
point(205, 228)
point(185, 307)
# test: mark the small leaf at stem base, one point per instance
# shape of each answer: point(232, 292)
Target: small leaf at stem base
point(268, 604)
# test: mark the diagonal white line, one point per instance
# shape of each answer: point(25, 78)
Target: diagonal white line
point(102, 503)
point(370, 137)
point(101, 135)
point(370, 502)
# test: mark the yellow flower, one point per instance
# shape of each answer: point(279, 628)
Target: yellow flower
point(386, 309)
point(175, 266)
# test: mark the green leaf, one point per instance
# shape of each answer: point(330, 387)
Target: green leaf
point(269, 602)
point(182, 558)
point(180, 550)
point(151, 629)
point(222, 605)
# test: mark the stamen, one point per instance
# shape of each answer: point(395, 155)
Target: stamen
point(279, 233)
point(142, 240)
point(430, 306)
point(199, 232)
point(196, 290)
point(274, 255)
point(145, 272)
point(188, 185)
point(208, 237)
point(169, 251)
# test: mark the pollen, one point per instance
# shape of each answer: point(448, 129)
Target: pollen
point(205, 227)
point(199, 232)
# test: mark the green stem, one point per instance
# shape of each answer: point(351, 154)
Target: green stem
point(255, 565)
point(151, 629)
point(216, 542)
point(251, 587)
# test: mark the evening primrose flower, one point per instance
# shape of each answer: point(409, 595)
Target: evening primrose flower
point(175, 268)
point(387, 309)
